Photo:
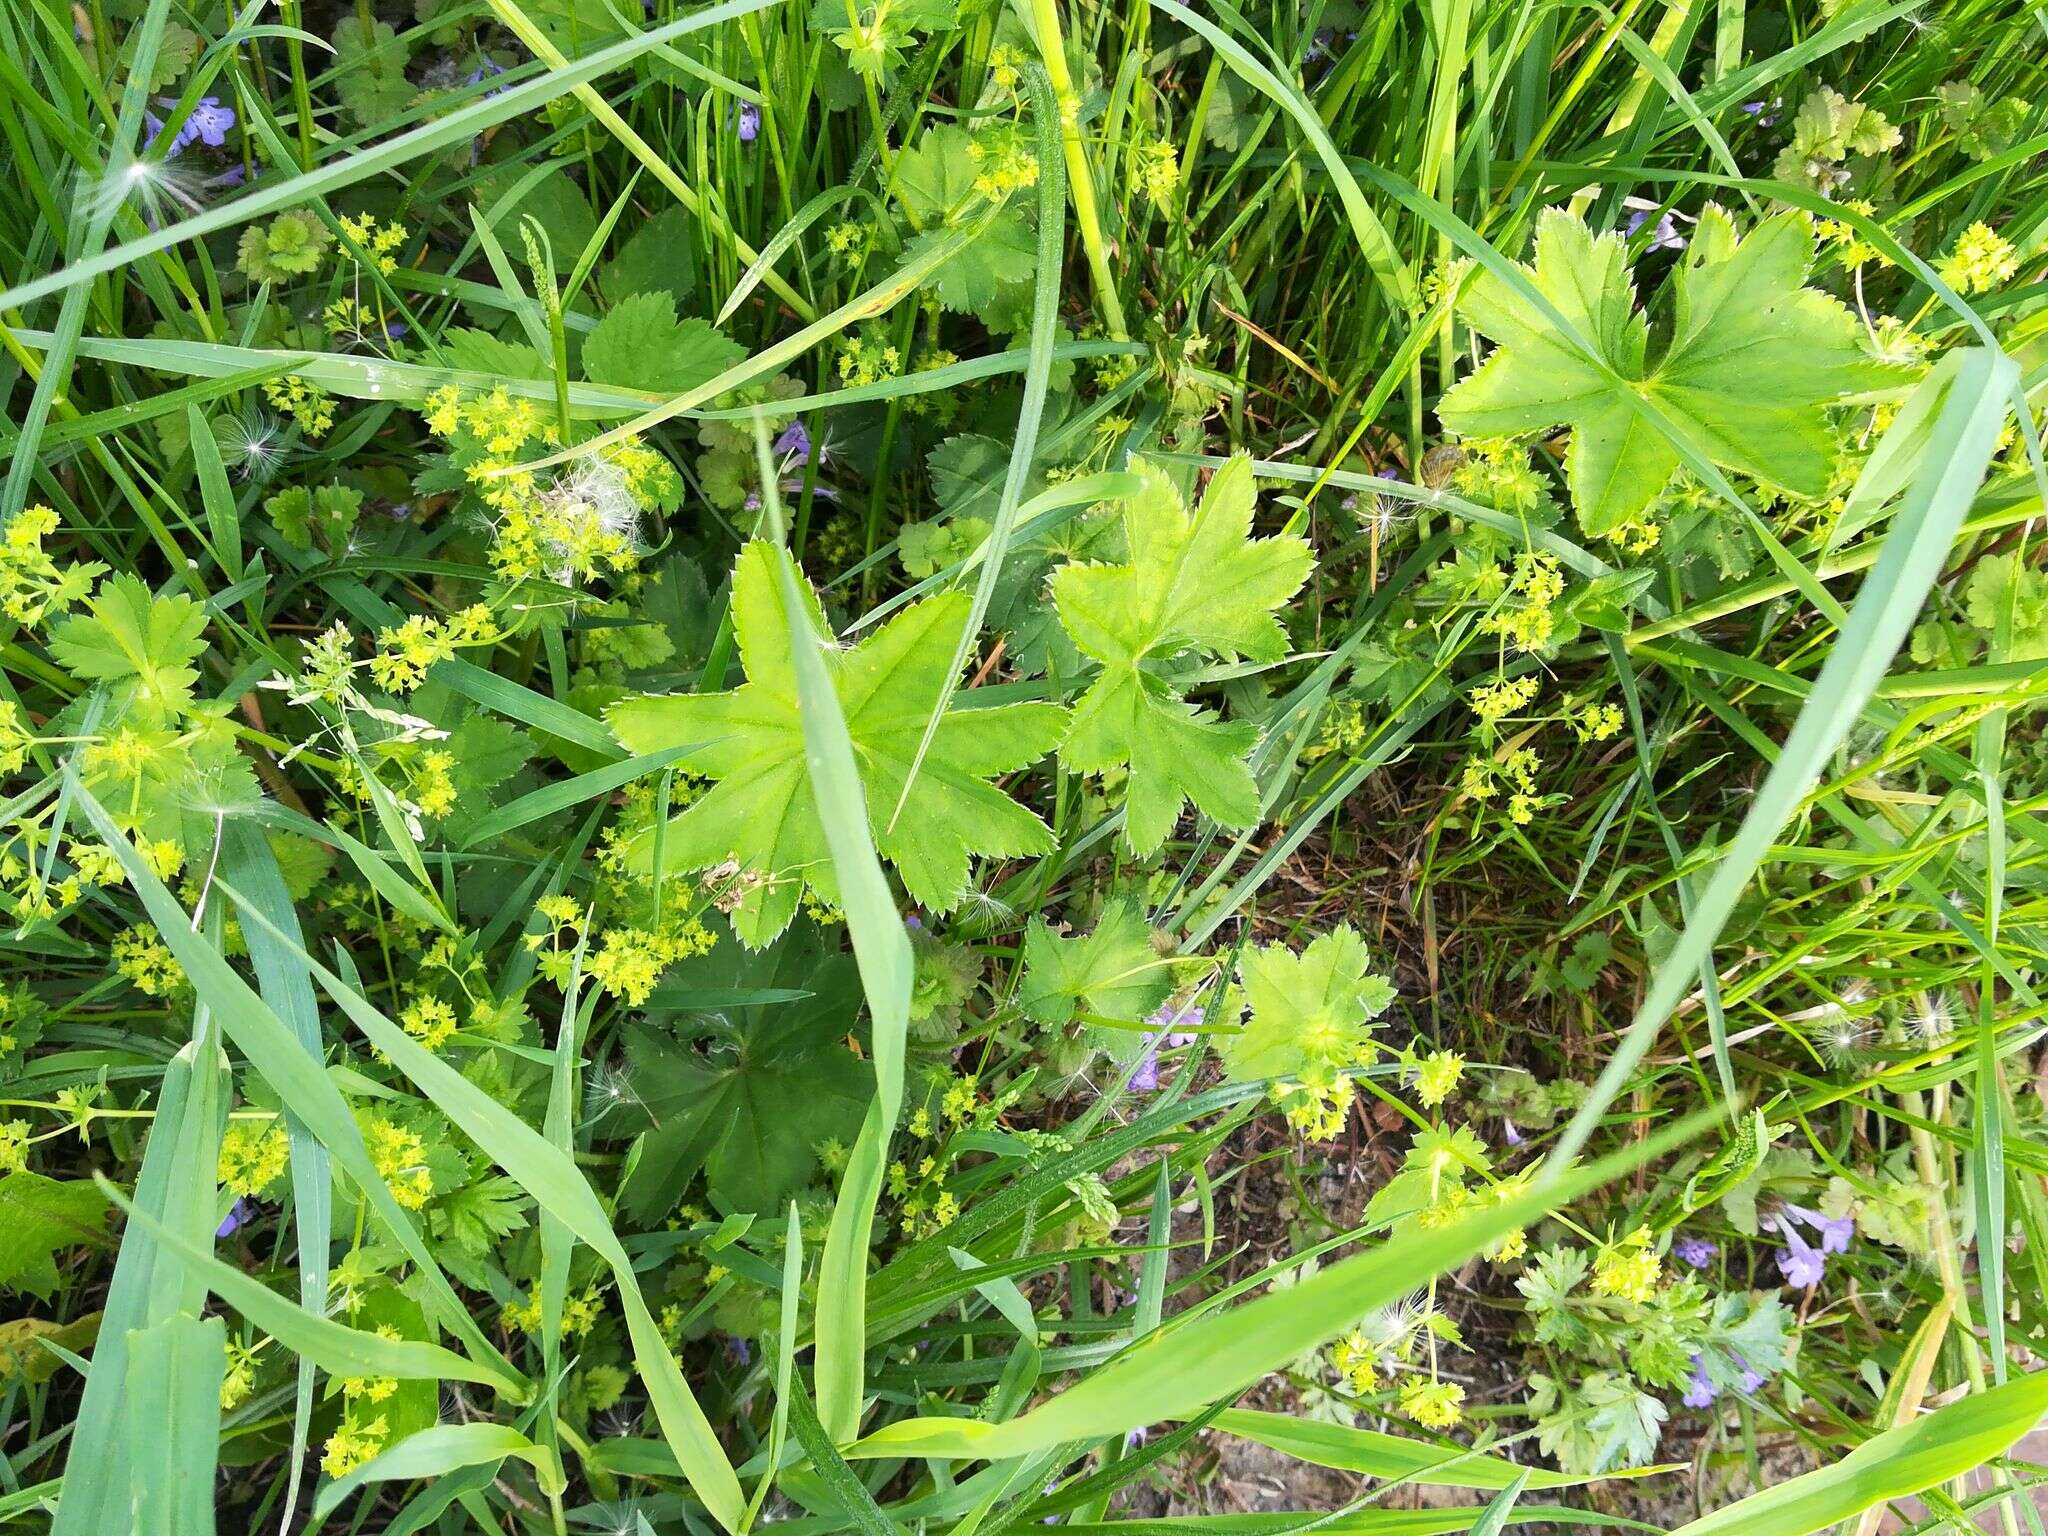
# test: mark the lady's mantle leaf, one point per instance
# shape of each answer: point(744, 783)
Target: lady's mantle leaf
point(935, 181)
point(141, 643)
point(1113, 973)
point(1307, 1009)
point(642, 345)
point(1195, 584)
point(762, 812)
point(748, 1090)
point(1753, 363)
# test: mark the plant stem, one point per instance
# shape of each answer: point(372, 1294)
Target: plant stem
point(1045, 17)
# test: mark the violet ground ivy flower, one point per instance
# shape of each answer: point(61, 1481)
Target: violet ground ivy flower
point(1697, 1252)
point(1801, 1263)
point(1700, 1390)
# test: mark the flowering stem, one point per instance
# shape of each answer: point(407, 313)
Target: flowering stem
point(1045, 17)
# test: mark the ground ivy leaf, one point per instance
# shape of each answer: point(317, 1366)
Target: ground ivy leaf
point(1755, 358)
point(1195, 584)
point(1113, 973)
point(761, 811)
point(642, 345)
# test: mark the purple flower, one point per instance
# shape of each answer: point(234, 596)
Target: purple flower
point(1133, 1438)
point(738, 1350)
point(1666, 236)
point(795, 439)
point(238, 1214)
point(748, 121)
point(1802, 1266)
point(1510, 1132)
point(1835, 1231)
point(1145, 1076)
point(1751, 1378)
point(913, 922)
point(1695, 1251)
point(209, 123)
point(488, 68)
point(1174, 1020)
point(1700, 1390)
point(1765, 112)
point(1801, 1263)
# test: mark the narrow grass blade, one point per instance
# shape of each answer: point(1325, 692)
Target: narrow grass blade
point(1052, 202)
point(96, 1495)
point(1389, 1456)
point(881, 947)
point(334, 1347)
point(1380, 254)
point(458, 127)
point(1924, 527)
point(247, 862)
point(1948, 1442)
point(173, 1400)
point(1495, 1520)
point(301, 1085)
point(551, 1176)
point(434, 1453)
point(1176, 1373)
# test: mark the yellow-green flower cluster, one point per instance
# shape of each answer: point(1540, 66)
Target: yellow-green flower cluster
point(140, 955)
point(377, 241)
point(252, 1156)
point(1432, 1403)
point(1155, 165)
point(1627, 1269)
point(1003, 164)
point(1529, 618)
point(1484, 777)
point(864, 360)
point(32, 585)
point(627, 961)
point(408, 650)
point(354, 1442)
point(400, 1158)
point(1981, 260)
point(580, 1313)
point(1495, 472)
point(428, 1020)
point(239, 1379)
point(307, 404)
point(13, 1145)
point(1595, 721)
point(1493, 702)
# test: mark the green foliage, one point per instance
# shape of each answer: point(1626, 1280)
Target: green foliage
point(291, 245)
point(749, 1097)
point(45, 1217)
point(641, 345)
point(140, 644)
point(1112, 972)
point(456, 1056)
point(1739, 313)
point(761, 812)
point(938, 183)
point(323, 514)
point(1197, 585)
